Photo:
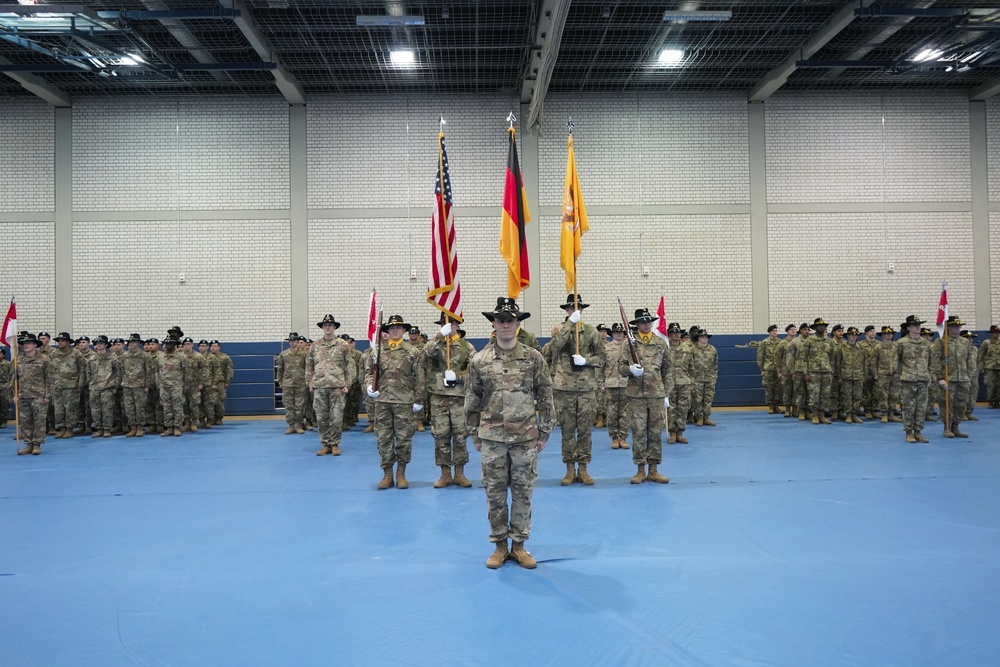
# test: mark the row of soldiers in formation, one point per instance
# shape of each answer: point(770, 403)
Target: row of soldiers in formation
point(853, 377)
point(110, 386)
point(425, 380)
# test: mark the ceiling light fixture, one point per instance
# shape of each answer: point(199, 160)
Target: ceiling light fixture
point(670, 57)
point(697, 15)
point(927, 54)
point(402, 58)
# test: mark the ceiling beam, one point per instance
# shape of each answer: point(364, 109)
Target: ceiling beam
point(286, 83)
point(777, 77)
point(548, 35)
point(985, 91)
point(36, 85)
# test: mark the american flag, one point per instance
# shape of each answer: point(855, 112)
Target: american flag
point(444, 291)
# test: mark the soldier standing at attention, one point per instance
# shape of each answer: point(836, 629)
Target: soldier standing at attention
point(577, 377)
point(117, 349)
point(446, 385)
point(154, 407)
point(6, 388)
point(818, 352)
point(614, 389)
point(103, 376)
point(956, 364)
point(682, 370)
point(83, 411)
point(869, 389)
point(192, 385)
point(418, 340)
point(886, 376)
point(913, 357)
point(507, 382)
point(989, 361)
point(135, 385)
point(354, 391)
point(290, 369)
point(706, 374)
point(933, 390)
point(796, 365)
point(329, 373)
point(68, 372)
point(209, 375)
point(172, 367)
point(785, 377)
point(34, 385)
point(767, 354)
point(833, 407)
point(973, 375)
point(397, 401)
point(850, 365)
point(225, 378)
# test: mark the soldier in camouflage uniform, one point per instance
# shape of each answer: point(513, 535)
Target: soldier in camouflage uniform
point(369, 401)
point(682, 371)
point(446, 385)
point(650, 383)
point(103, 376)
point(887, 376)
point(614, 389)
point(989, 361)
point(210, 379)
point(417, 340)
point(913, 358)
point(934, 394)
point(354, 391)
point(400, 389)
point(577, 377)
point(974, 369)
point(68, 373)
point(6, 388)
point(833, 406)
point(34, 386)
point(818, 351)
point(330, 371)
point(850, 364)
point(116, 350)
point(192, 385)
point(795, 363)
point(224, 378)
point(869, 388)
point(135, 385)
point(172, 368)
point(154, 407)
point(45, 349)
point(507, 382)
point(290, 369)
point(951, 371)
point(706, 374)
point(767, 353)
point(784, 376)
point(84, 416)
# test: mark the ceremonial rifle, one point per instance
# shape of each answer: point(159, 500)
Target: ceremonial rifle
point(633, 346)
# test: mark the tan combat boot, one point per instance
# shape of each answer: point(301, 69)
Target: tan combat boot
point(386, 479)
point(584, 476)
point(823, 418)
point(97, 433)
point(290, 430)
point(909, 437)
point(614, 443)
point(849, 419)
point(324, 450)
point(177, 432)
point(401, 482)
point(655, 476)
point(335, 450)
point(570, 475)
point(919, 437)
point(445, 479)
point(138, 432)
point(298, 428)
point(802, 415)
point(420, 424)
point(858, 419)
point(681, 440)
point(165, 433)
point(640, 476)
point(68, 433)
point(770, 409)
point(36, 449)
point(699, 422)
point(25, 450)
point(885, 418)
point(499, 556)
point(523, 558)
point(460, 477)
point(815, 419)
point(957, 433)
point(600, 423)
point(370, 428)
point(708, 422)
point(623, 443)
point(672, 440)
point(130, 434)
point(193, 426)
point(107, 434)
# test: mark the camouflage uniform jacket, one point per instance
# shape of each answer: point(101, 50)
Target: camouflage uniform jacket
point(434, 364)
point(171, 369)
point(503, 390)
point(34, 378)
point(225, 368)
point(612, 352)
point(870, 349)
point(957, 362)
point(291, 368)
point(6, 373)
point(211, 374)
point(989, 355)
point(330, 365)
point(781, 356)
point(193, 372)
point(67, 368)
point(153, 369)
point(358, 365)
point(135, 370)
point(706, 363)
point(682, 363)
point(589, 377)
point(886, 362)
point(973, 362)
point(767, 354)
point(818, 353)
point(913, 358)
point(851, 362)
point(655, 359)
point(401, 374)
point(103, 372)
point(528, 339)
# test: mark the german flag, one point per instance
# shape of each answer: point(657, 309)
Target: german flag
point(513, 245)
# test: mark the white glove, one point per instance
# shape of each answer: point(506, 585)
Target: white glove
point(666, 402)
point(446, 330)
point(372, 393)
point(417, 407)
point(449, 377)
point(578, 360)
point(575, 316)
point(635, 369)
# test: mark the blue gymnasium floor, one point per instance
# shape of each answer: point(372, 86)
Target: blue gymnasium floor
point(777, 543)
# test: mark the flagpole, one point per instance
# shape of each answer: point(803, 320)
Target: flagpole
point(17, 402)
point(576, 294)
point(441, 216)
point(947, 386)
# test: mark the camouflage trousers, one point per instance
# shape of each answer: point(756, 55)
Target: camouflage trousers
point(788, 390)
point(772, 387)
point(119, 411)
point(647, 425)
point(602, 405)
point(328, 402)
point(351, 405)
point(448, 429)
point(513, 465)
point(869, 394)
point(834, 403)
point(680, 406)
point(66, 402)
point(934, 395)
point(394, 427)
point(702, 397)
point(6, 397)
point(850, 396)
point(220, 401)
point(102, 407)
point(970, 405)
point(294, 400)
point(85, 416)
point(209, 399)
point(310, 413)
point(370, 408)
point(888, 393)
point(800, 392)
point(192, 403)
point(31, 419)
point(913, 397)
point(154, 407)
point(958, 396)
point(575, 413)
point(617, 413)
point(135, 406)
point(819, 391)
point(172, 400)
point(992, 379)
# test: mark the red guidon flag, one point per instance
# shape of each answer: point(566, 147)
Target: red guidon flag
point(9, 331)
point(444, 291)
point(661, 323)
point(942, 314)
point(513, 245)
point(372, 322)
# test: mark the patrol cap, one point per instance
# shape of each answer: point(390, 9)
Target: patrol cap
point(804, 326)
point(852, 330)
point(506, 308)
point(153, 340)
point(188, 339)
point(101, 340)
point(115, 341)
point(579, 302)
point(46, 334)
point(773, 327)
point(63, 336)
point(205, 342)
point(870, 327)
point(396, 321)
point(82, 338)
point(216, 342)
point(791, 327)
point(328, 319)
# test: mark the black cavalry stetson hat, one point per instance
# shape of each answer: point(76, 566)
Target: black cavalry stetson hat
point(506, 306)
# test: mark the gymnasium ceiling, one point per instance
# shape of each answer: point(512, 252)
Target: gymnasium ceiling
point(299, 48)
